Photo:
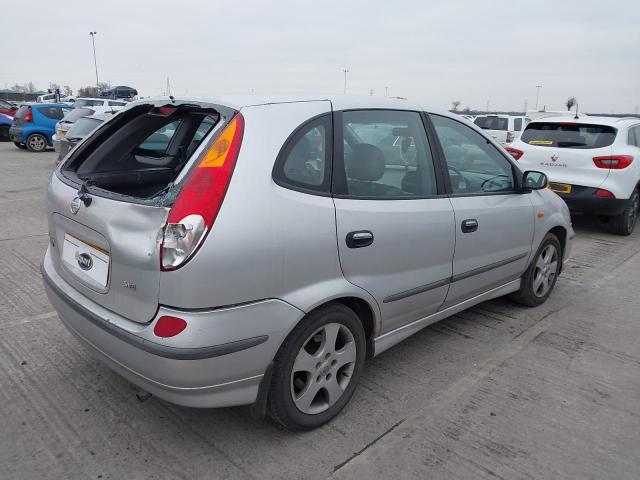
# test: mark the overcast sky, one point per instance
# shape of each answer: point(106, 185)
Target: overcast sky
point(430, 51)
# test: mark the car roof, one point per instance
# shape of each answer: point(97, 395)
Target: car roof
point(339, 102)
point(591, 120)
point(38, 104)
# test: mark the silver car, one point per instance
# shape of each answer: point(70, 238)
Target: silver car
point(257, 251)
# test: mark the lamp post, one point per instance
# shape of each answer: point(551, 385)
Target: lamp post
point(538, 87)
point(345, 79)
point(95, 62)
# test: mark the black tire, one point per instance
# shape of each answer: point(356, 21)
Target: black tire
point(36, 142)
point(280, 402)
point(624, 223)
point(529, 295)
point(4, 133)
point(21, 146)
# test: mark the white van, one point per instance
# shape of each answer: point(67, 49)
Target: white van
point(504, 128)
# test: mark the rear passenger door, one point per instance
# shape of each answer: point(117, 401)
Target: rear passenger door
point(493, 220)
point(395, 227)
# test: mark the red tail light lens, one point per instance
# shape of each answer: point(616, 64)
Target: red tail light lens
point(509, 137)
point(613, 162)
point(168, 326)
point(602, 193)
point(197, 206)
point(515, 153)
point(28, 116)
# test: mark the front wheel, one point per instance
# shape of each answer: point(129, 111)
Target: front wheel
point(317, 368)
point(540, 278)
point(36, 142)
point(624, 223)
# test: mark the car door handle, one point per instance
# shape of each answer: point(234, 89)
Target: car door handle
point(359, 239)
point(469, 225)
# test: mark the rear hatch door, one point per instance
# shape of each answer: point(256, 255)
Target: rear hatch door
point(109, 201)
point(494, 126)
point(565, 151)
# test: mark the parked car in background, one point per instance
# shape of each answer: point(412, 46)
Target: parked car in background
point(8, 108)
point(504, 128)
point(67, 121)
point(120, 92)
point(48, 98)
point(5, 124)
point(235, 260)
point(34, 125)
point(77, 131)
point(593, 163)
point(100, 104)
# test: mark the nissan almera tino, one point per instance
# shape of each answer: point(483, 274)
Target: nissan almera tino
point(244, 251)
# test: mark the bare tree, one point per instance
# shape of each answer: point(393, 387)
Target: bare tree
point(571, 101)
point(455, 104)
point(66, 90)
point(30, 87)
point(90, 91)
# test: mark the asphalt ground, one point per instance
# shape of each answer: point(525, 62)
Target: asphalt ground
point(498, 391)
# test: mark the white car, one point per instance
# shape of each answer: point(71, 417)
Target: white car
point(503, 128)
point(100, 105)
point(593, 163)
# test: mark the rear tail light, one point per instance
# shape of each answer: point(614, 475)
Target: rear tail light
point(28, 116)
point(602, 193)
point(197, 206)
point(509, 137)
point(168, 326)
point(613, 162)
point(515, 153)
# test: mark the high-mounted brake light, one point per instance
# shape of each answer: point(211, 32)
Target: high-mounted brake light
point(515, 153)
point(613, 162)
point(198, 203)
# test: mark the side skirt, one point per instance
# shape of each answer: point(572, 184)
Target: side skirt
point(389, 339)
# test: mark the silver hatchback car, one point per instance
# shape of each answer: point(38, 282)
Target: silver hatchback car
point(258, 251)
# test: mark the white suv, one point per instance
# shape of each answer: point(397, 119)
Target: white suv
point(593, 163)
point(503, 128)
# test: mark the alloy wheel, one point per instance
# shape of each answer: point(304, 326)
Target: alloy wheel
point(545, 271)
point(323, 368)
point(37, 143)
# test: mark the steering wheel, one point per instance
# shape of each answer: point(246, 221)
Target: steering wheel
point(458, 183)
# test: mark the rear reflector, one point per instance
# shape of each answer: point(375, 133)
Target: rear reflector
point(602, 193)
point(168, 326)
point(198, 203)
point(515, 153)
point(613, 162)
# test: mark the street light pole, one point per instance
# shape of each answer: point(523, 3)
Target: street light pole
point(95, 62)
point(538, 87)
point(345, 79)
point(386, 91)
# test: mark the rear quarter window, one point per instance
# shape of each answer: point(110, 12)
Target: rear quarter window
point(55, 113)
point(568, 135)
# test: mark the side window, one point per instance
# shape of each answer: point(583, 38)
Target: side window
point(386, 155)
point(517, 124)
point(116, 104)
point(475, 166)
point(637, 131)
point(304, 161)
point(631, 139)
point(52, 112)
point(156, 144)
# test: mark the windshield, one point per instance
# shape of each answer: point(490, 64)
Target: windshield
point(77, 113)
point(568, 135)
point(492, 123)
point(82, 127)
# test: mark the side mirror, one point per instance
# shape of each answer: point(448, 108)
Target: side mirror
point(532, 180)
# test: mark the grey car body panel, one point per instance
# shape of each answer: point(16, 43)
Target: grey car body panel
point(274, 254)
point(412, 248)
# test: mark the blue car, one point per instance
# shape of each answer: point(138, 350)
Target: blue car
point(34, 125)
point(5, 123)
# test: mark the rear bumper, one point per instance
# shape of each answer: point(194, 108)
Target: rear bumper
point(15, 134)
point(584, 200)
point(217, 361)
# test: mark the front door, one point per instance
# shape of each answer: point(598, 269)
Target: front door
point(493, 219)
point(395, 232)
